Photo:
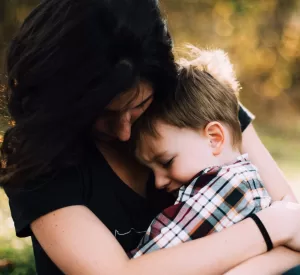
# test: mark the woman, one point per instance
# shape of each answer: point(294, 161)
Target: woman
point(80, 73)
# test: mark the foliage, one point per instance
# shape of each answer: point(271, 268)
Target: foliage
point(18, 251)
point(23, 261)
point(263, 41)
point(262, 38)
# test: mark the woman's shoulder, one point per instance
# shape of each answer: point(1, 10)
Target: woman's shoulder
point(66, 187)
point(43, 195)
point(54, 179)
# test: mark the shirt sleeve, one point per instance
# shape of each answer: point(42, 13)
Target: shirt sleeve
point(245, 117)
point(42, 197)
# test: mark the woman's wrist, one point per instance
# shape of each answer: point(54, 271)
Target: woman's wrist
point(277, 223)
point(263, 231)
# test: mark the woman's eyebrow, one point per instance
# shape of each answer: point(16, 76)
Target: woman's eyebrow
point(112, 111)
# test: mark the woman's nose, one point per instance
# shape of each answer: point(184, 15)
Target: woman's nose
point(124, 127)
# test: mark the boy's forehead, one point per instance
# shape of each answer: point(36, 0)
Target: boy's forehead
point(147, 148)
point(150, 145)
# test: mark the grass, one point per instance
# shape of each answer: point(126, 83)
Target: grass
point(17, 251)
point(23, 261)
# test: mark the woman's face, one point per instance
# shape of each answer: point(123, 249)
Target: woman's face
point(122, 112)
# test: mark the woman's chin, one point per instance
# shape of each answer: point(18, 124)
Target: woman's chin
point(104, 137)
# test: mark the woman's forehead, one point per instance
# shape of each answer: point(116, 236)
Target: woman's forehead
point(131, 98)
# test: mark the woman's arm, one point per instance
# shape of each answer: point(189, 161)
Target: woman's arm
point(77, 241)
point(273, 179)
point(274, 262)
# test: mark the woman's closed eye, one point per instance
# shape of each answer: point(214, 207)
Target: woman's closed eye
point(143, 103)
point(139, 106)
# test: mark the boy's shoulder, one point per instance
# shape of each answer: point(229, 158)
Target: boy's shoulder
point(233, 174)
point(240, 166)
point(242, 170)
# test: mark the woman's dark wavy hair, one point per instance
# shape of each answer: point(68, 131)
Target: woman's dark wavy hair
point(66, 62)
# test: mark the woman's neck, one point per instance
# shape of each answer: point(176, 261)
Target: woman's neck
point(125, 165)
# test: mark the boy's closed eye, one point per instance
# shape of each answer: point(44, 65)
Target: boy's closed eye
point(167, 163)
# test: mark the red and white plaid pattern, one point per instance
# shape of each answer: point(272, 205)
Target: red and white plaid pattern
point(217, 198)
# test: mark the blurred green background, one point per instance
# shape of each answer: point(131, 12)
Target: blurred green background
point(263, 41)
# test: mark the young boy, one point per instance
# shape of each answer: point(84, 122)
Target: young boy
point(192, 144)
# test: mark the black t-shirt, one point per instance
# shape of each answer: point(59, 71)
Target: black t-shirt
point(93, 184)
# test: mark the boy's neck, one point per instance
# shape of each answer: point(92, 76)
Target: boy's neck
point(228, 155)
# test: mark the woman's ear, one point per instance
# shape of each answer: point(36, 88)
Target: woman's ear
point(215, 133)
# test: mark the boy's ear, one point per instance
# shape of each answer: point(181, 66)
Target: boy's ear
point(215, 133)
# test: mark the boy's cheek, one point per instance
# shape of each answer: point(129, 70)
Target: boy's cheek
point(181, 173)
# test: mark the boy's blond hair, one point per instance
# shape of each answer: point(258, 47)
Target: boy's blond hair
point(207, 91)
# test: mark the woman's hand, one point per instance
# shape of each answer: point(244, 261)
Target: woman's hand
point(287, 222)
point(281, 258)
point(293, 213)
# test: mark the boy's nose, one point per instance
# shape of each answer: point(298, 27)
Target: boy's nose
point(161, 182)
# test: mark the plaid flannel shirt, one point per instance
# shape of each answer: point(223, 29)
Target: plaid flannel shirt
point(216, 198)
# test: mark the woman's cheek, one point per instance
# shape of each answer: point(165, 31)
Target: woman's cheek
point(135, 114)
point(101, 125)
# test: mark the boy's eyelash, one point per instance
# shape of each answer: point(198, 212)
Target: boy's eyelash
point(168, 163)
